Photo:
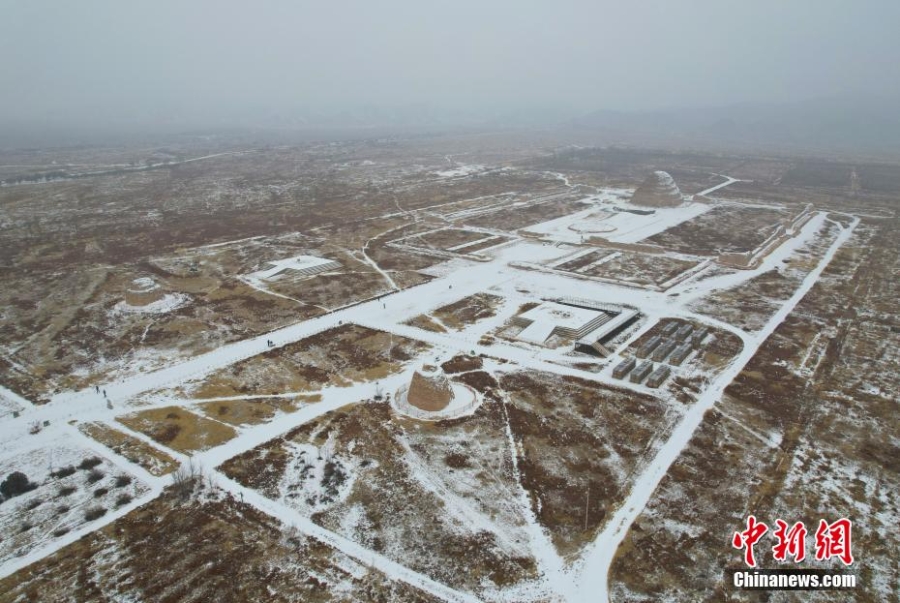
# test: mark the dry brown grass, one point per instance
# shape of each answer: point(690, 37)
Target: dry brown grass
point(137, 451)
point(527, 215)
point(423, 321)
point(486, 244)
point(337, 357)
point(721, 229)
point(468, 310)
point(179, 429)
point(578, 437)
point(84, 325)
point(792, 439)
point(399, 516)
point(253, 412)
point(450, 237)
point(640, 269)
point(222, 551)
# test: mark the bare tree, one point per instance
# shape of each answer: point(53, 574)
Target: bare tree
point(186, 478)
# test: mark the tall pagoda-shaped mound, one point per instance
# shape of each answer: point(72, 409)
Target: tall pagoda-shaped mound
point(429, 390)
point(658, 190)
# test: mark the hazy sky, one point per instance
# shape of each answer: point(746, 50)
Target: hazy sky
point(199, 61)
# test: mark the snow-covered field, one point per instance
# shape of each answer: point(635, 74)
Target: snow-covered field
point(72, 487)
point(322, 479)
point(606, 217)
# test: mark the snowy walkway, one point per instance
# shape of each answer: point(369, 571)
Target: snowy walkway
point(729, 180)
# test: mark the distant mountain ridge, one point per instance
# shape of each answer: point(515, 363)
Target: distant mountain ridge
point(839, 124)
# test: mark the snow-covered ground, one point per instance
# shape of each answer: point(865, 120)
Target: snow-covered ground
point(460, 170)
point(167, 303)
point(603, 218)
point(582, 581)
point(79, 486)
point(304, 264)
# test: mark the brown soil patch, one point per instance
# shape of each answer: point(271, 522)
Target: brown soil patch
point(486, 244)
point(584, 260)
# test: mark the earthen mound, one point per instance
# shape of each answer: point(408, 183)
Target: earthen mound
point(143, 292)
point(430, 392)
point(658, 190)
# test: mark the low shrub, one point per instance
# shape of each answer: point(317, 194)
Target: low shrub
point(94, 513)
point(63, 472)
point(90, 463)
point(16, 483)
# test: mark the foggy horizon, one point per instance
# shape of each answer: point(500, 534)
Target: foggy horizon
point(107, 64)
